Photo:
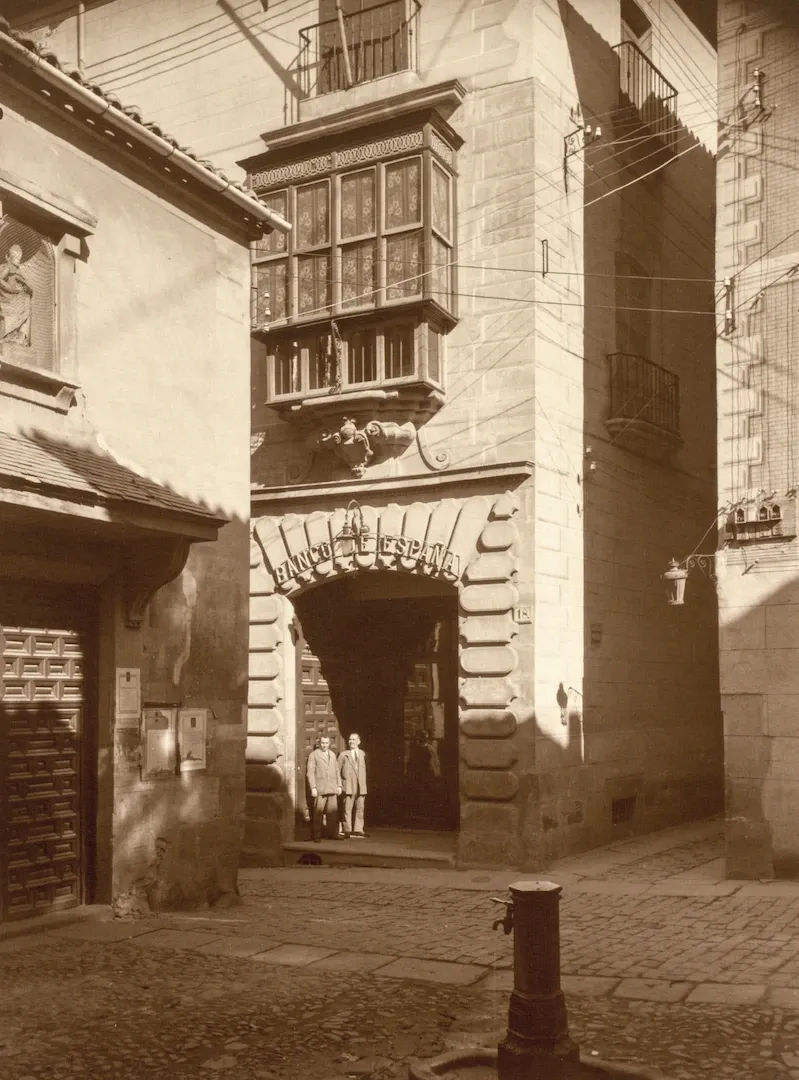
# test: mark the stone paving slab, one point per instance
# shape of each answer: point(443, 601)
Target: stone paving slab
point(293, 955)
point(588, 985)
point(783, 997)
point(610, 888)
point(726, 994)
point(685, 886)
point(715, 870)
point(761, 889)
point(118, 930)
point(351, 961)
point(437, 971)
point(238, 946)
point(653, 990)
point(498, 982)
point(23, 944)
point(173, 939)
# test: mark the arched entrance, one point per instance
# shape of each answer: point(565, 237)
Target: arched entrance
point(361, 611)
point(378, 654)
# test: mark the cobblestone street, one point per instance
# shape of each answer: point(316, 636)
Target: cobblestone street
point(330, 972)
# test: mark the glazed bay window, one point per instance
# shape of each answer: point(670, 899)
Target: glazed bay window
point(361, 355)
point(361, 291)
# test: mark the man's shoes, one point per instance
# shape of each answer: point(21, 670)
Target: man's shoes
point(346, 835)
point(360, 835)
point(316, 839)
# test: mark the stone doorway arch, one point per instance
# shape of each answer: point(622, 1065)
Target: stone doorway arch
point(471, 542)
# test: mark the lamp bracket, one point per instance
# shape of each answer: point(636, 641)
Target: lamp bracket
point(705, 563)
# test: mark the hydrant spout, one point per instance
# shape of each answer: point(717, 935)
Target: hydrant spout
point(506, 922)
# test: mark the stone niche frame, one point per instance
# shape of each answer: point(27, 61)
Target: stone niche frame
point(66, 227)
point(471, 541)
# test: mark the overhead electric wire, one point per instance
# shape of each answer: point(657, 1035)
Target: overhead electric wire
point(324, 309)
point(576, 303)
point(588, 274)
point(164, 56)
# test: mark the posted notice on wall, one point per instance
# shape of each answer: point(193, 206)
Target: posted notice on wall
point(159, 753)
point(127, 697)
point(192, 733)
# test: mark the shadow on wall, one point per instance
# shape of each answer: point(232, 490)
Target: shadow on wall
point(759, 702)
point(37, 458)
point(649, 749)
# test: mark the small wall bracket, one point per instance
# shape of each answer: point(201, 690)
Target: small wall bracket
point(576, 141)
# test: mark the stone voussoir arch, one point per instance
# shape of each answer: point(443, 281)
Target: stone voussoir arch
point(470, 542)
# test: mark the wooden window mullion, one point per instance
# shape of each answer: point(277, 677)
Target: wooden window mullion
point(380, 203)
point(427, 224)
point(335, 243)
point(292, 304)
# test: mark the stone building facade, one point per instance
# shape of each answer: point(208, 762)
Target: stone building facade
point(124, 503)
point(757, 403)
point(483, 413)
point(530, 489)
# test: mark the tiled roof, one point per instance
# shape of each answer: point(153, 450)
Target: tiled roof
point(79, 473)
point(132, 112)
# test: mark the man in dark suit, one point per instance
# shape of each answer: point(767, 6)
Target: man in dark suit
point(352, 771)
point(322, 774)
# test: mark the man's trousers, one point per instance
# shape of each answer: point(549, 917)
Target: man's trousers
point(327, 805)
point(353, 813)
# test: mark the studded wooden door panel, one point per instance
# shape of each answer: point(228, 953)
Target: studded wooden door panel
point(41, 702)
point(315, 717)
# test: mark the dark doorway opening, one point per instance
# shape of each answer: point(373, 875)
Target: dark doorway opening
point(378, 654)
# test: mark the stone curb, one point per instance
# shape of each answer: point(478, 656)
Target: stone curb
point(487, 977)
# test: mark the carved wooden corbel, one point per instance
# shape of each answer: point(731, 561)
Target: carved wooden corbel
point(148, 568)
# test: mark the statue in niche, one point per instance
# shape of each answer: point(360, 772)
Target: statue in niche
point(16, 297)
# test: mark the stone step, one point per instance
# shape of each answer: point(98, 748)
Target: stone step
point(363, 853)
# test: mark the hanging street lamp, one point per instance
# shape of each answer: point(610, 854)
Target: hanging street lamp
point(677, 574)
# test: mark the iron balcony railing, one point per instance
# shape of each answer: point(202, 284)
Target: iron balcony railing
point(641, 390)
point(357, 48)
point(645, 92)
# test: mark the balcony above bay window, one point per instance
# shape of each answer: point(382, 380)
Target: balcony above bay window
point(362, 41)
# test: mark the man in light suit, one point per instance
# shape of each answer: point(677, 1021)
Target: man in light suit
point(323, 779)
point(352, 771)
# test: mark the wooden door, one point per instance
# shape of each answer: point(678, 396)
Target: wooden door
point(41, 715)
point(315, 717)
point(431, 729)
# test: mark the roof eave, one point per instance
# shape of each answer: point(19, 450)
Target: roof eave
point(240, 200)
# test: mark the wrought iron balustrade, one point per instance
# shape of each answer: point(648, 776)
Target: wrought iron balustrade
point(645, 95)
point(362, 46)
point(641, 390)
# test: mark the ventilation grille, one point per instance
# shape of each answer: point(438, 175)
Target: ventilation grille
point(622, 810)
